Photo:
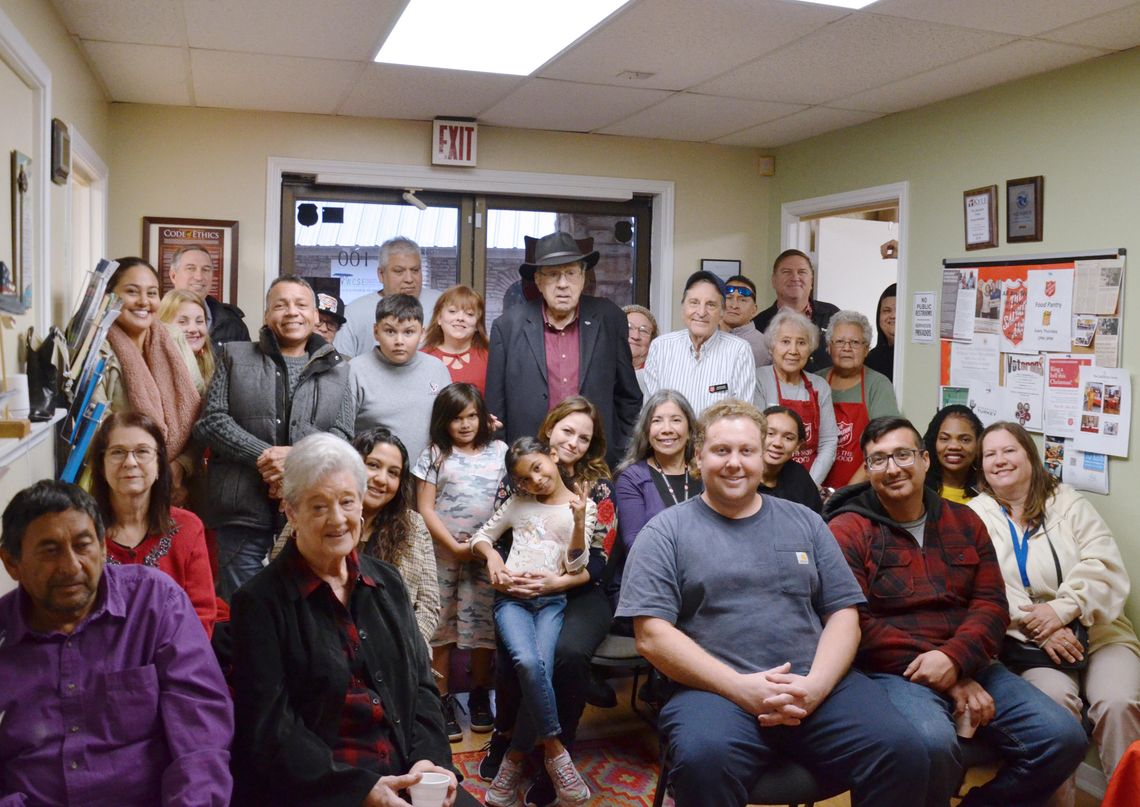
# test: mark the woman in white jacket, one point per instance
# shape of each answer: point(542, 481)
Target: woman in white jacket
point(1030, 515)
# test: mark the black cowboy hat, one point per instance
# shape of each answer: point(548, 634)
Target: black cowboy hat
point(556, 249)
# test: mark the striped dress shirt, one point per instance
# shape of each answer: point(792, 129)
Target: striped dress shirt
point(724, 369)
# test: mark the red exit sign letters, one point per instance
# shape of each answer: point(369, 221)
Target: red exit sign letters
point(454, 142)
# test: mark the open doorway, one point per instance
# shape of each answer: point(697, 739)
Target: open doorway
point(857, 241)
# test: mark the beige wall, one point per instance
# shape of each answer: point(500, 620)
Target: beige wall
point(211, 164)
point(77, 100)
point(1077, 127)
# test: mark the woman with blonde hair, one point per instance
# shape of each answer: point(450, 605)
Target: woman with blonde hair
point(1066, 584)
point(185, 311)
point(457, 336)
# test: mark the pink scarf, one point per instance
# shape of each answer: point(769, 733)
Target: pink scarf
point(158, 383)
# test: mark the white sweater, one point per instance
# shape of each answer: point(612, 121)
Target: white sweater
point(542, 534)
point(1095, 583)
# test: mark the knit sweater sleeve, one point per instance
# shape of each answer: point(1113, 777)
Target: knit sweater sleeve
point(345, 425)
point(218, 427)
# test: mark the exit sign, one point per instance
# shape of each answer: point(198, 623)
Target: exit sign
point(453, 142)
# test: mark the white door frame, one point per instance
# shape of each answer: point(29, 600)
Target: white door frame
point(484, 180)
point(21, 57)
point(87, 163)
point(794, 235)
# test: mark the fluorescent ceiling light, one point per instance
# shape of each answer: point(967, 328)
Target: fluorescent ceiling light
point(515, 37)
point(841, 3)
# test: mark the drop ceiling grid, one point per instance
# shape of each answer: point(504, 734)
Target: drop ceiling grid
point(728, 71)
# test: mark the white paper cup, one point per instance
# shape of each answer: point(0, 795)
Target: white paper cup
point(18, 406)
point(965, 724)
point(430, 791)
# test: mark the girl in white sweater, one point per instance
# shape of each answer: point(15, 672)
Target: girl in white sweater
point(550, 523)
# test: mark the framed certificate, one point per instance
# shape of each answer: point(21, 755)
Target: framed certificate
point(979, 209)
point(1024, 209)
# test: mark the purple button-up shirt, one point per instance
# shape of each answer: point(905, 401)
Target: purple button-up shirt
point(129, 709)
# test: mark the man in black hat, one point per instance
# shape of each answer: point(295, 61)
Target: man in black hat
point(564, 344)
point(330, 313)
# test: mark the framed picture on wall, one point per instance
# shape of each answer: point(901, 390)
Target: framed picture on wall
point(979, 208)
point(722, 268)
point(163, 237)
point(16, 280)
point(1024, 209)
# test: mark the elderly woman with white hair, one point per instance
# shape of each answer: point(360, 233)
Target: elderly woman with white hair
point(858, 393)
point(792, 338)
point(333, 692)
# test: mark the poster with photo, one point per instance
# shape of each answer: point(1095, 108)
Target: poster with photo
point(959, 289)
point(1106, 411)
point(1107, 342)
point(1023, 390)
point(987, 306)
point(218, 238)
point(1062, 404)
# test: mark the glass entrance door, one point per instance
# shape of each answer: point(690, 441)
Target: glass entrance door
point(332, 236)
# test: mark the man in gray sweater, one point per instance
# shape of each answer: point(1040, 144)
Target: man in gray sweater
point(394, 384)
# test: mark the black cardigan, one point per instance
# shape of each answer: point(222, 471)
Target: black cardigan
point(290, 677)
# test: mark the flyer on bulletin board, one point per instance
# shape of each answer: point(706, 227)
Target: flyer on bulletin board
point(1023, 390)
point(1106, 411)
point(1063, 393)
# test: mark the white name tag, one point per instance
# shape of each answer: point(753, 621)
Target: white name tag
point(802, 558)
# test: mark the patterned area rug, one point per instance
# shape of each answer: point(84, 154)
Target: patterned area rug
point(621, 771)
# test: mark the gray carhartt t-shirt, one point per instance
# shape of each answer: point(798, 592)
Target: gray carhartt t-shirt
point(749, 591)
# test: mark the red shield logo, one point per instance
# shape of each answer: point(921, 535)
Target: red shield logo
point(1050, 288)
point(846, 431)
point(1013, 313)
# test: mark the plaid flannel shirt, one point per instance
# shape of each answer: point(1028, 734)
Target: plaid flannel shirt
point(946, 595)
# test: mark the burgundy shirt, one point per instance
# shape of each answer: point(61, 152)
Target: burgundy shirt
point(563, 356)
point(363, 740)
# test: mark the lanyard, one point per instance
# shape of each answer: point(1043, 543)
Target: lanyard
point(1021, 552)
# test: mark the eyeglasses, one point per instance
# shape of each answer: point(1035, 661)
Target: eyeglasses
point(903, 457)
point(142, 454)
point(569, 272)
point(739, 291)
point(640, 329)
point(847, 343)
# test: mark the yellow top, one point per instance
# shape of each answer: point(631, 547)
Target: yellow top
point(959, 495)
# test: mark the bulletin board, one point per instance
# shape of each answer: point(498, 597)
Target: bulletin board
point(1037, 340)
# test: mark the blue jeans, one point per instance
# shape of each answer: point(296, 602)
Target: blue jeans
point(1040, 742)
point(241, 551)
point(529, 630)
point(855, 737)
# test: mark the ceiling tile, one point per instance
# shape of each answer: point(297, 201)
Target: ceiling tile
point(279, 83)
point(688, 116)
point(683, 42)
point(422, 93)
point(1118, 30)
point(1021, 17)
point(142, 74)
point(1013, 61)
point(568, 106)
point(799, 126)
point(857, 53)
point(151, 22)
point(341, 30)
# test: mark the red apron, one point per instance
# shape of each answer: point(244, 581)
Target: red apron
point(851, 419)
point(809, 413)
